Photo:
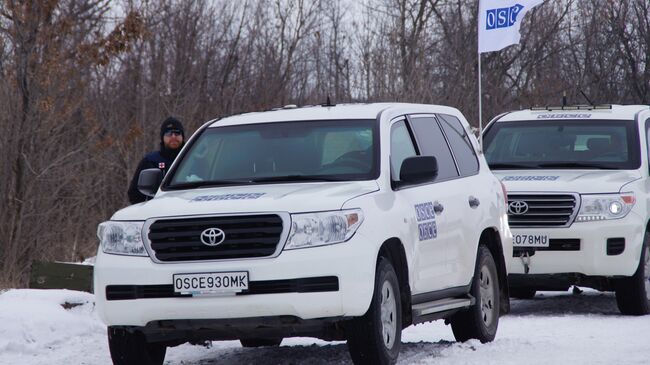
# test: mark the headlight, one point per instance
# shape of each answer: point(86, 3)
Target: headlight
point(121, 238)
point(605, 206)
point(323, 228)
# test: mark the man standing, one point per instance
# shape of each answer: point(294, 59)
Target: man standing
point(172, 138)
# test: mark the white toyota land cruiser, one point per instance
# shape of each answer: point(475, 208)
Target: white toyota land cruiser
point(579, 209)
point(334, 222)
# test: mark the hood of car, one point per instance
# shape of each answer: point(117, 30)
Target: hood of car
point(291, 198)
point(578, 181)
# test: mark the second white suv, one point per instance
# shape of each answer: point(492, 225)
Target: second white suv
point(346, 222)
point(579, 205)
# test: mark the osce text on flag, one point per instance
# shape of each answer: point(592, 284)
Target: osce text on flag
point(502, 18)
point(499, 22)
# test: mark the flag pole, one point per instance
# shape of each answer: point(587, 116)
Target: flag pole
point(480, 106)
point(498, 27)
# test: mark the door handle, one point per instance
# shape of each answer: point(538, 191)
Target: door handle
point(438, 208)
point(474, 202)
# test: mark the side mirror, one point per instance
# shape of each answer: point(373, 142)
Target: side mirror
point(418, 169)
point(149, 181)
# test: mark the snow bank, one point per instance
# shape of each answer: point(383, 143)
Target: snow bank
point(553, 328)
point(35, 321)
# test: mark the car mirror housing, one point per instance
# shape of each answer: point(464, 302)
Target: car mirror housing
point(149, 181)
point(418, 169)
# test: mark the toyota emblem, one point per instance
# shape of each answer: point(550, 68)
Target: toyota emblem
point(518, 207)
point(212, 236)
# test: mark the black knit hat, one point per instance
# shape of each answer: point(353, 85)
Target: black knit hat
point(171, 124)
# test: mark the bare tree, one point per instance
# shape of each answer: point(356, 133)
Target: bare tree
point(87, 82)
point(629, 24)
point(53, 45)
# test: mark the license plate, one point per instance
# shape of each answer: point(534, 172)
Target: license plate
point(211, 283)
point(530, 240)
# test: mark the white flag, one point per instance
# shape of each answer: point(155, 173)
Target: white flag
point(499, 22)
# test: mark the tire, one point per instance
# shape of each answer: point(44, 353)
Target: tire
point(260, 342)
point(128, 348)
point(376, 337)
point(481, 320)
point(522, 293)
point(633, 293)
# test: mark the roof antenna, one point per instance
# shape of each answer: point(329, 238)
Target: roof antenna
point(586, 97)
point(328, 102)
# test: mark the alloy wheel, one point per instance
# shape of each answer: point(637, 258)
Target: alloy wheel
point(487, 296)
point(388, 314)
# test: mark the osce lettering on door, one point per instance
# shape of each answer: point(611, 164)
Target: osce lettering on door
point(426, 218)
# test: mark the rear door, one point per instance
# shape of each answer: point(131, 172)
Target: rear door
point(472, 196)
point(432, 217)
point(448, 192)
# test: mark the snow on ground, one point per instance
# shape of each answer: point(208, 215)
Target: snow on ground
point(553, 328)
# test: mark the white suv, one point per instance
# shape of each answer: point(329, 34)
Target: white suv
point(578, 184)
point(334, 222)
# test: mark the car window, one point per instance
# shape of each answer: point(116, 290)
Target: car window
point(460, 144)
point(337, 143)
point(401, 147)
point(334, 150)
point(647, 141)
point(432, 143)
point(600, 144)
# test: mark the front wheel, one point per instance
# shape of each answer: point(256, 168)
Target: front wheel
point(128, 348)
point(633, 293)
point(481, 320)
point(376, 337)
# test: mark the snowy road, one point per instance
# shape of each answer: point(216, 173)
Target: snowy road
point(553, 328)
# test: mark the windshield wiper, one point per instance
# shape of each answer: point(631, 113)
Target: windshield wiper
point(208, 183)
point(296, 178)
point(569, 165)
point(496, 166)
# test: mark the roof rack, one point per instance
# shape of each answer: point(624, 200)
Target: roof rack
point(573, 107)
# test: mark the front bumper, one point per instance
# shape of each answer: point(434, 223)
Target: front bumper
point(174, 332)
point(592, 257)
point(299, 283)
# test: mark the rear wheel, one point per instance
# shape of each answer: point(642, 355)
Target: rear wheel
point(522, 293)
point(128, 348)
point(481, 320)
point(633, 293)
point(260, 342)
point(376, 337)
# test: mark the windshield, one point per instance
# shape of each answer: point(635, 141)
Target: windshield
point(281, 152)
point(592, 144)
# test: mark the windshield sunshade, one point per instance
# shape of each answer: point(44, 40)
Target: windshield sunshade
point(594, 144)
point(306, 151)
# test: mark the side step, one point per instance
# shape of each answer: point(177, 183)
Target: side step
point(438, 309)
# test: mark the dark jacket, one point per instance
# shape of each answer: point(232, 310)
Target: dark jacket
point(159, 159)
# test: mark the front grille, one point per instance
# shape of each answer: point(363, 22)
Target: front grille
point(543, 210)
point(127, 292)
point(247, 236)
point(300, 285)
point(554, 244)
